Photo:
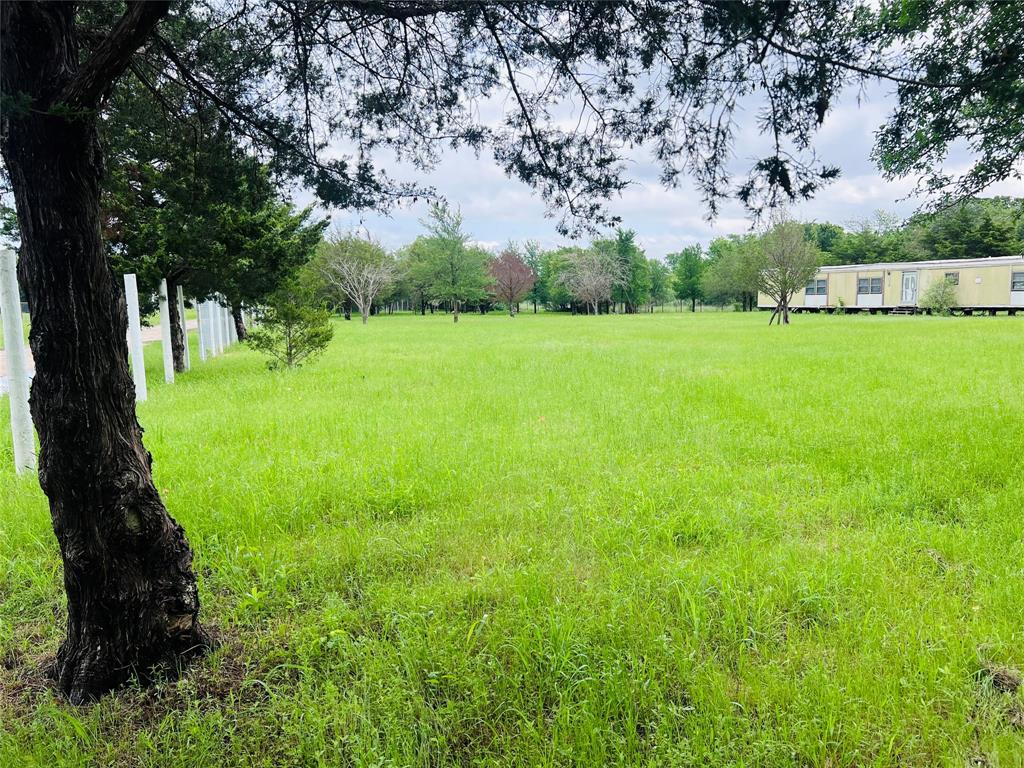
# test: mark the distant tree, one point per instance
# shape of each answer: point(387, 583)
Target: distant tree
point(414, 273)
point(687, 269)
point(732, 271)
point(996, 236)
point(634, 286)
point(875, 239)
point(661, 282)
point(292, 328)
point(788, 261)
point(533, 256)
point(591, 275)
point(554, 265)
point(825, 236)
point(511, 278)
point(358, 270)
point(454, 271)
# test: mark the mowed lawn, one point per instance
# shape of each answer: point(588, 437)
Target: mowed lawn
point(652, 540)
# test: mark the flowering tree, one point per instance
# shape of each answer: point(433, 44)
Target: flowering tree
point(512, 278)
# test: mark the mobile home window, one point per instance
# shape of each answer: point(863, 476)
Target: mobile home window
point(1017, 281)
point(953, 277)
point(817, 288)
point(868, 285)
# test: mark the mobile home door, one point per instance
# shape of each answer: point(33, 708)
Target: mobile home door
point(909, 295)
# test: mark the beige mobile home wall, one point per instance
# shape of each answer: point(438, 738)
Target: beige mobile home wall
point(979, 286)
point(892, 287)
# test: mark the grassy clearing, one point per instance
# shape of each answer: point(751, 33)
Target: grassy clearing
point(651, 540)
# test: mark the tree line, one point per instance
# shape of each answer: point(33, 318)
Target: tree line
point(444, 270)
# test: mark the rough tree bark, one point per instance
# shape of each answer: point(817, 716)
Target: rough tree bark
point(236, 314)
point(177, 327)
point(131, 591)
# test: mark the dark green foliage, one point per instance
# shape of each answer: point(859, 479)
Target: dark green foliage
point(978, 228)
point(293, 328)
point(687, 270)
point(661, 282)
point(731, 273)
point(634, 287)
point(961, 76)
point(186, 203)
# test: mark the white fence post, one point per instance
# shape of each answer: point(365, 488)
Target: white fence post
point(184, 327)
point(201, 327)
point(131, 295)
point(208, 330)
point(224, 326)
point(165, 334)
point(218, 326)
point(17, 375)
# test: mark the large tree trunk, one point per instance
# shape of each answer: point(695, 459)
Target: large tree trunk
point(240, 329)
point(131, 592)
point(177, 327)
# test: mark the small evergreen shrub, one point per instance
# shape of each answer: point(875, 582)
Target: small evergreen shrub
point(939, 297)
point(292, 328)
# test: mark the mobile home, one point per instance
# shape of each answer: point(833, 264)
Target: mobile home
point(992, 285)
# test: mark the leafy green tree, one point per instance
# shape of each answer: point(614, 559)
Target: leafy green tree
point(454, 271)
point(687, 271)
point(553, 266)
point(732, 271)
point(633, 288)
point(192, 207)
point(959, 75)
point(533, 257)
point(661, 282)
point(996, 236)
point(788, 259)
point(825, 236)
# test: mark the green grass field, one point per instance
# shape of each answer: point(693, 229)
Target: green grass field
point(652, 540)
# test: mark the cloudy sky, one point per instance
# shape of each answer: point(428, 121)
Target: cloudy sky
point(497, 209)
